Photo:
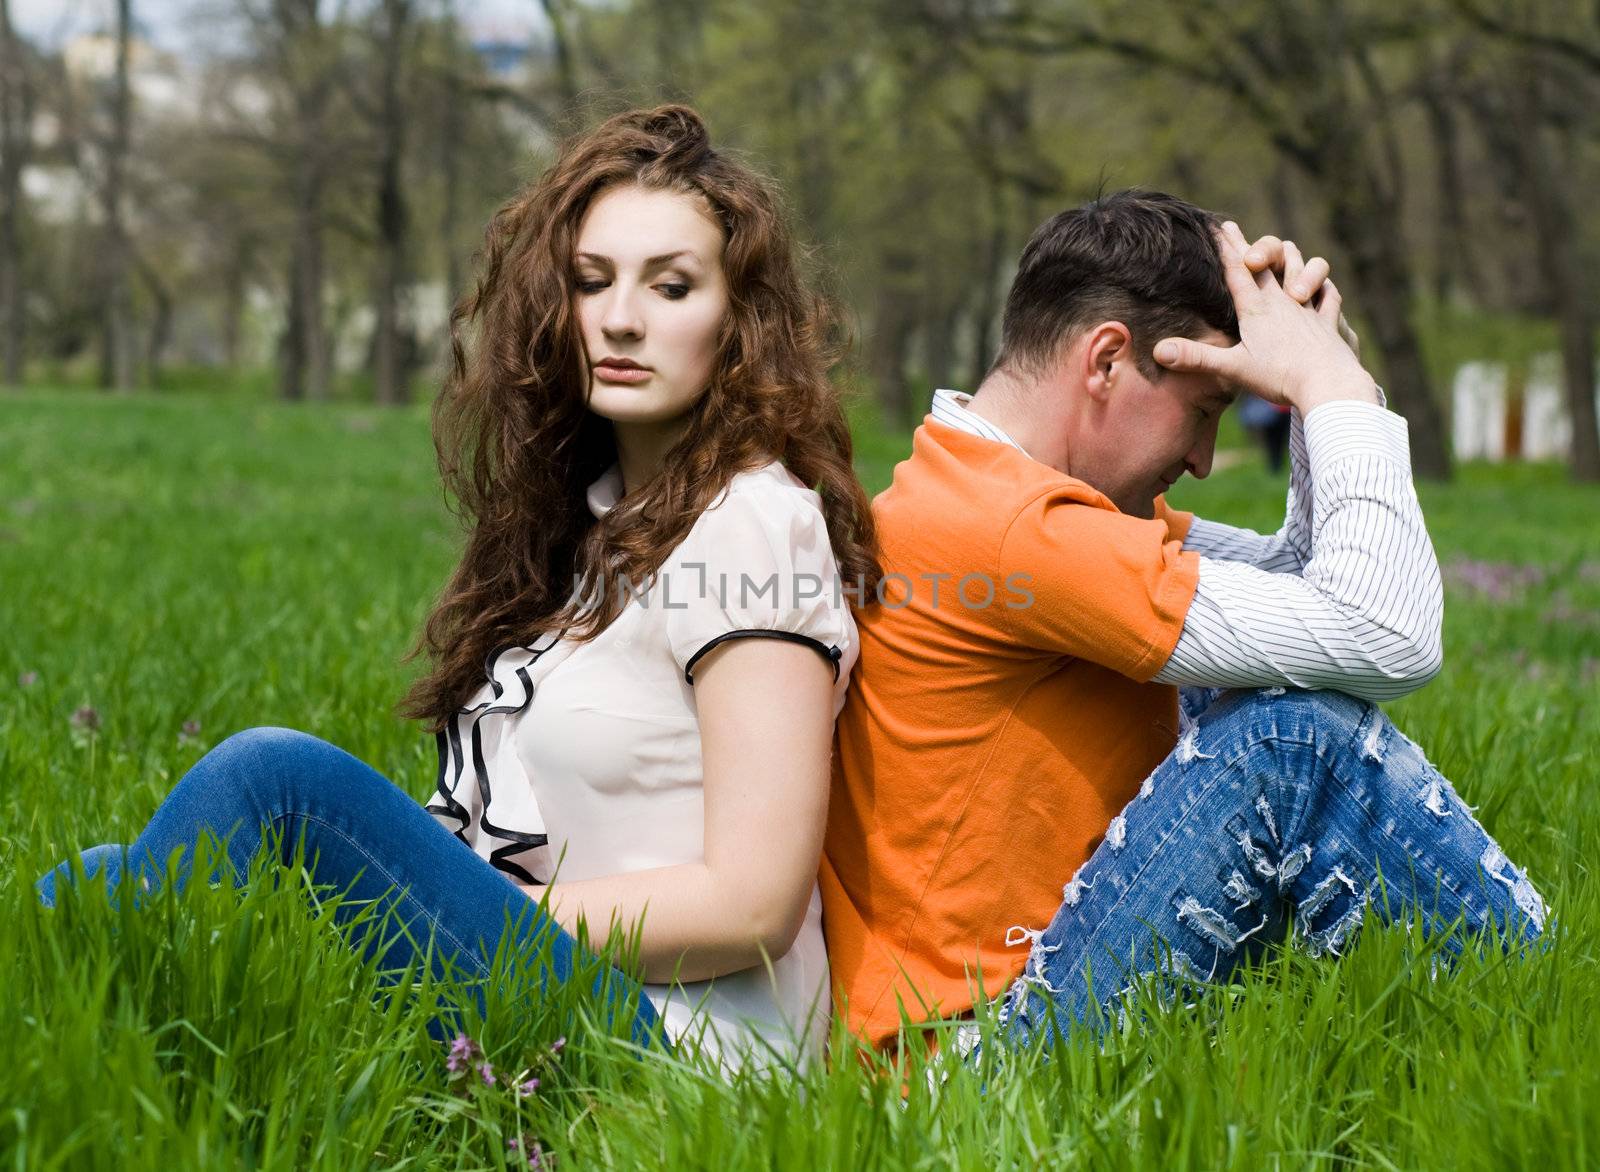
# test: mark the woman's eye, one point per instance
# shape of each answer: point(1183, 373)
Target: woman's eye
point(590, 285)
point(673, 292)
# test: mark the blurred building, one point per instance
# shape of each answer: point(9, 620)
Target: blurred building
point(1500, 413)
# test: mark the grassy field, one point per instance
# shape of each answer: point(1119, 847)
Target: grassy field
point(172, 570)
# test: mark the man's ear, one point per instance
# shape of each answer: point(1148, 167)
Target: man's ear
point(1104, 346)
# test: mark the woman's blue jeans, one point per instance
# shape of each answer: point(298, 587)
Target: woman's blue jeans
point(371, 842)
point(1281, 813)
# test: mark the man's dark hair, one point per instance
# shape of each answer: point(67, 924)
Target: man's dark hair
point(1144, 258)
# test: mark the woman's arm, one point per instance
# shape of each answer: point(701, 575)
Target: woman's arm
point(766, 734)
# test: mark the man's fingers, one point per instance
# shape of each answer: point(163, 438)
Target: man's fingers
point(1265, 253)
point(1185, 355)
point(1329, 302)
point(1310, 280)
point(1349, 336)
point(1241, 284)
point(1293, 263)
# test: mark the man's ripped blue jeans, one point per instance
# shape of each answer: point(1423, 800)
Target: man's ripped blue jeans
point(368, 840)
point(1275, 815)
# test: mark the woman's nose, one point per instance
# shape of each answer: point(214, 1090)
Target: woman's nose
point(621, 318)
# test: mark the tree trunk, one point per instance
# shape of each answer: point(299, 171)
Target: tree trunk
point(390, 374)
point(116, 323)
point(450, 164)
point(1454, 257)
point(1559, 244)
point(161, 326)
point(306, 365)
point(1367, 226)
point(233, 301)
point(989, 294)
point(557, 13)
point(16, 145)
point(892, 328)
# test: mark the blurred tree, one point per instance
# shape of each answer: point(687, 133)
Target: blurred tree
point(299, 56)
point(394, 346)
point(116, 308)
point(1534, 102)
point(16, 148)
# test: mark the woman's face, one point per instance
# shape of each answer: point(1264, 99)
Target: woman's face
point(651, 298)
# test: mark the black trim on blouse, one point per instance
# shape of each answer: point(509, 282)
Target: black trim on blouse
point(451, 752)
point(831, 654)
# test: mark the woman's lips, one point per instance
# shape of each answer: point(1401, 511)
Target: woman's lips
point(621, 374)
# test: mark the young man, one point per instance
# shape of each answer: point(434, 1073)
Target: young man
point(1018, 797)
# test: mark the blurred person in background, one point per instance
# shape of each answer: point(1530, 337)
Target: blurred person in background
point(1268, 424)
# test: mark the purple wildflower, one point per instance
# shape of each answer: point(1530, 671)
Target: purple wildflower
point(1495, 581)
point(487, 1073)
point(27, 679)
point(86, 718)
point(528, 1087)
point(537, 1156)
point(557, 1046)
point(191, 729)
point(463, 1052)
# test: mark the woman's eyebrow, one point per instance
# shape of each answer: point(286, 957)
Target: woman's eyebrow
point(654, 262)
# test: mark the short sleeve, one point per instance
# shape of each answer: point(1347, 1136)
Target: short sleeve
point(1099, 585)
point(758, 564)
point(1177, 521)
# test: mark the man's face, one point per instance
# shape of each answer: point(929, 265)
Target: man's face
point(1153, 431)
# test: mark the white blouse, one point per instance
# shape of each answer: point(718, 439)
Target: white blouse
point(588, 755)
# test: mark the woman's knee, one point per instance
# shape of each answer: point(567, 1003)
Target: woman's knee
point(256, 751)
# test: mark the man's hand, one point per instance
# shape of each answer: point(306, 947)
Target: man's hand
point(1304, 280)
point(1288, 352)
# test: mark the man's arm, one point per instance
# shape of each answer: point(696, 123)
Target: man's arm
point(1364, 617)
point(1287, 550)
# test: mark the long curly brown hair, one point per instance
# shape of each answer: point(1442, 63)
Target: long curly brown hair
point(518, 446)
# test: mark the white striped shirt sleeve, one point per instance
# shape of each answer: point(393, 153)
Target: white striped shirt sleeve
point(1364, 613)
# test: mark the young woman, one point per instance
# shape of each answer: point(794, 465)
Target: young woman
point(636, 666)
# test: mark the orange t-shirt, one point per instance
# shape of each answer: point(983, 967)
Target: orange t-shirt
point(983, 750)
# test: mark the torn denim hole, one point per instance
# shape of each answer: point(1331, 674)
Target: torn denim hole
point(1117, 832)
point(1239, 889)
point(1433, 795)
point(1211, 925)
point(1321, 896)
point(1293, 863)
point(1523, 893)
point(1274, 691)
point(1331, 941)
point(1264, 808)
point(1254, 853)
point(1372, 744)
point(1188, 746)
point(1147, 786)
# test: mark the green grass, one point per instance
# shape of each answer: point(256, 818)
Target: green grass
point(199, 559)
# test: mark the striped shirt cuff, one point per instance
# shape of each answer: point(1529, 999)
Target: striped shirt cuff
point(1335, 431)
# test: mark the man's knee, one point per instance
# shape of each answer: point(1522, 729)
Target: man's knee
point(1295, 713)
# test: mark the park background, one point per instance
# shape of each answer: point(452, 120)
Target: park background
point(230, 233)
